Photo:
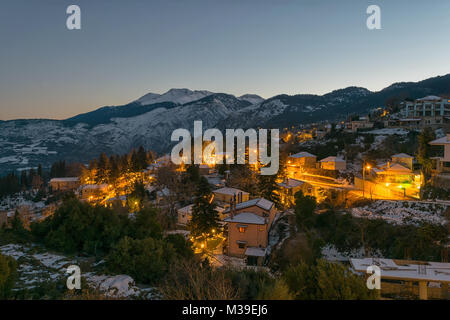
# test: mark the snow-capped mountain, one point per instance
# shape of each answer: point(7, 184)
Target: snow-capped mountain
point(150, 120)
point(252, 98)
point(178, 96)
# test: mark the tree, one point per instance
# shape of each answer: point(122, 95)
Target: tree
point(205, 217)
point(326, 281)
point(103, 169)
point(424, 152)
point(304, 209)
point(268, 189)
point(8, 276)
point(147, 260)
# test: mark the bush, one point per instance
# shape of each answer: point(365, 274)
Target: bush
point(8, 275)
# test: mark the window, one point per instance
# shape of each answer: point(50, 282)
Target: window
point(241, 245)
point(241, 228)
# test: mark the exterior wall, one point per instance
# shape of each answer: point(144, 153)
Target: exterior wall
point(184, 217)
point(332, 165)
point(64, 185)
point(260, 212)
point(222, 197)
point(447, 152)
point(407, 162)
point(254, 235)
point(303, 162)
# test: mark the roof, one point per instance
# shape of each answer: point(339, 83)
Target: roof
point(393, 167)
point(68, 179)
point(259, 202)
point(246, 217)
point(255, 252)
point(402, 155)
point(440, 141)
point(410, 270)
point(302, 154)
point(428, 98)
point(187, 209)
point(229, 191)
point(332, 159)
point(95, 186)
point(291, 183)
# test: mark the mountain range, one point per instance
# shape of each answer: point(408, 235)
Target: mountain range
point(150, 120)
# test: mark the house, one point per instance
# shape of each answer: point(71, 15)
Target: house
point(302, 159)
point(403, 159)
point(289, 187)
point(392, 172)
point(361, 123)
point(65, 184)
point(431, 111)
point(333, 163)
point(226, 195)
point(184, 215)
point(93, 192)
point(204, 169)
point(442, 164)
point(248, 226)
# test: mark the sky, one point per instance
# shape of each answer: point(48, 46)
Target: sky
point(126, 49)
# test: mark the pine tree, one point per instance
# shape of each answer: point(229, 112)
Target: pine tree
point(268, 189)
point(205, 217)
point(424, 152)
point(103, 168)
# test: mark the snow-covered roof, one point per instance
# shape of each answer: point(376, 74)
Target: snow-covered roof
point(398, 269)
point(260, 202)
point(246, 217)
point(302, 154)
point(291, 183)
point(187, 209)
point(430, 98)
point(95, 186)
point(393, 168)
point(332, 159)
point(255, 252)
point(441, 141)
point(68, 179)
point(229, 191)
point(402, 155)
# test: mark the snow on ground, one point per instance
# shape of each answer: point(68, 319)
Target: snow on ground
point(388, 131)
point(331, 253)
point(37, 268)
point(403, 212)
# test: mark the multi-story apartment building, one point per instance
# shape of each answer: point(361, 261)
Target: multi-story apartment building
point(430, 110)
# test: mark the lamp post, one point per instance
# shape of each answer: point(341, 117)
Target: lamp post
point(364, 177)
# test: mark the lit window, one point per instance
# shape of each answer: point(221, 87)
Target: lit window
point(241, 229)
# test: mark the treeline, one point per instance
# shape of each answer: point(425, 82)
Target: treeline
point(13, 183)
point(106, 169)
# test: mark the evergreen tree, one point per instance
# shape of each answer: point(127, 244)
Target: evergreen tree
point(424, 152)
point(268, 189)
point(204, 214)
point(8, 276)
point(304, 209)
point(141, 158)
point(103, 168)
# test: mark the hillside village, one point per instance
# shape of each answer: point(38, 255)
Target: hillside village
point(371, 189)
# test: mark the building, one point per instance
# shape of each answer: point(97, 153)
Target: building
point(65, 184)
point(404, 160)
point(405, 273)
point(431, 111)
point(302, 159)
point(333, 163)
point(226, 195)
point(248, 226)
point(289, 187)
point(442, 164)
point(185, 215)
point(93, 192)
point(361, 123)
point(204, 169)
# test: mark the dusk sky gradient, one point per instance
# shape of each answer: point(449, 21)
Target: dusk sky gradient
point(126, 49)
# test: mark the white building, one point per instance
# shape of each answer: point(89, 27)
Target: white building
point(333, 163)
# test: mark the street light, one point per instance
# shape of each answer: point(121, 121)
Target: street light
point(368, 167)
